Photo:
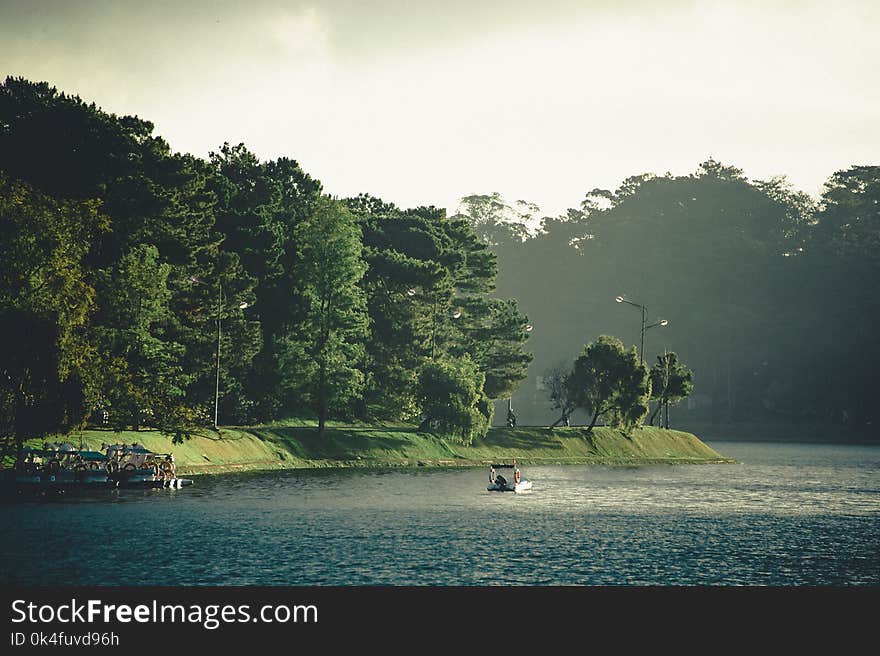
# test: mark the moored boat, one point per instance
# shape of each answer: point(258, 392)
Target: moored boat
point(57, 468)
point(136, 466)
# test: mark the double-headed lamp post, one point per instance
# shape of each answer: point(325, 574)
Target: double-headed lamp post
point(455, 314)
point(241, 306)
point(659, 322)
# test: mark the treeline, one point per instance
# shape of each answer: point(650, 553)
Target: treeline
point(771, 296)
point(125, 266)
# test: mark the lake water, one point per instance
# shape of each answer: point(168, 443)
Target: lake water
point(789, 514)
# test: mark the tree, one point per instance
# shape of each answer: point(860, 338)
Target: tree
point(837, 289)
point(428, 288)
point(671, 382)
point(47, 296)
point(494, 221)
point(848, 220)
point(322, 360)
point(143, 380)
point(75, 152)
point(408, 287)
point(560, 393)
point(609, 381)
point(452, 399)
point(491, 330)
point(259, 205)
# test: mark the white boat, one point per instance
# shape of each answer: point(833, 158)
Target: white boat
point(499, 483)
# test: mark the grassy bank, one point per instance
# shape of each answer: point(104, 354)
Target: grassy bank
point(294, 445)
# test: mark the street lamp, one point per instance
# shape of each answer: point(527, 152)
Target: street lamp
point(455, 314)
point(241, 306)
point(661, 322)
point(511, 415)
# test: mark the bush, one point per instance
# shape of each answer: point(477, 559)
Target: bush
point(453, 401)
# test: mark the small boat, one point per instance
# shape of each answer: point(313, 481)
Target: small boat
point(60, 465)
point(498, 483)
point(57, 468)
point(136, 466)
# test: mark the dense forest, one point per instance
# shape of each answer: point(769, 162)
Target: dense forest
point(144, 288)
point(770, 295)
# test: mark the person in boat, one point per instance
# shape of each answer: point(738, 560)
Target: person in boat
point(500, 480)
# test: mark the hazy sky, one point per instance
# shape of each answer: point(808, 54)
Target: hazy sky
point(422, 102)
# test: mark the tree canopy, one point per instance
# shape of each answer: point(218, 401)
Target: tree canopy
point(671, 382)
point(611, 383)
point(147, 288)
point(144, 288)
point(768, 293)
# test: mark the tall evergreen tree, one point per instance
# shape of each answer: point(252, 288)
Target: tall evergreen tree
point(322, 360)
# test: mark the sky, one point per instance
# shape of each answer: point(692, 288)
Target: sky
point(423, 102)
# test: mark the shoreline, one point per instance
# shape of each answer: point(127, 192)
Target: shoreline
point(297, 445)
point(219, 470)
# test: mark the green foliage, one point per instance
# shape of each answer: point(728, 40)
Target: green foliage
point(731, 263)
point(671, 381)
point(151, 199)
point(452, 398)
point(322, 358)
point(47, 296)
point(849, 217)
point(342, 312)
point(259, 206)
point(493, 332)
point(560, 392)
point(428, 284)
point(142, 380)
point(494, 221)
point(610, 382)
point(406, 284)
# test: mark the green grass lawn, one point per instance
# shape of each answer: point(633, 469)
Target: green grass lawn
point(295, 443)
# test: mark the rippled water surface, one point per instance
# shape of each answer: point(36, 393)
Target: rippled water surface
point(788, 514)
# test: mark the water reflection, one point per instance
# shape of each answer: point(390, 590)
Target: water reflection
point(788, 514)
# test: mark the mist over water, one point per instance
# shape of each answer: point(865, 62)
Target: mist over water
point(789, 514)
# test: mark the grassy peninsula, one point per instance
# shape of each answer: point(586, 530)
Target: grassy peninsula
point(297, 445)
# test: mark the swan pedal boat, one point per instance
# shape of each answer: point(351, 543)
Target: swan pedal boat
point(498, 483)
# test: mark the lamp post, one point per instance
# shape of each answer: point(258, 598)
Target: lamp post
point(659, 322)
point(455, 314)
point(511, 415)
point(241, 306)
